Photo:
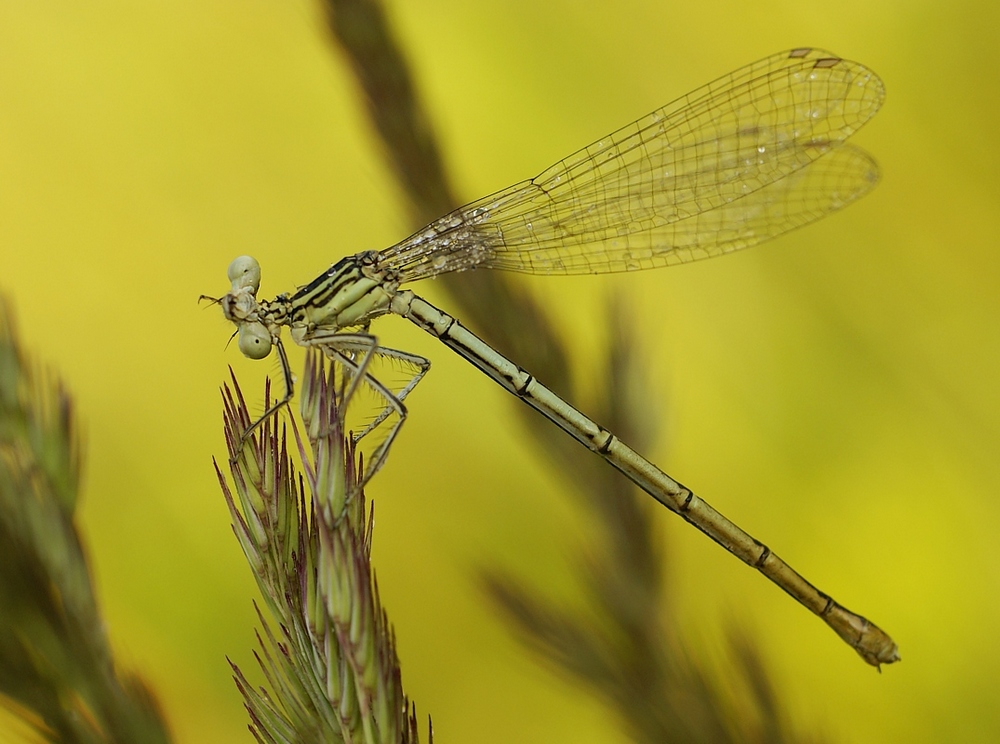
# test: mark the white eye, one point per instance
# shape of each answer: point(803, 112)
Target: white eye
point(255, 341)
point(244, 272)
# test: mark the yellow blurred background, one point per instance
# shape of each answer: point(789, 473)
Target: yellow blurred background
point(835, 391)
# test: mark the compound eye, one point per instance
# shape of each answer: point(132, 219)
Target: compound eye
point(244, 272)
point(255, 341)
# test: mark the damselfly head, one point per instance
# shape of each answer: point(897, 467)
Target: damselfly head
point(241, 307)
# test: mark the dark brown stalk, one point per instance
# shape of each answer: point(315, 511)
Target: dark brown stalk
point(625, 648)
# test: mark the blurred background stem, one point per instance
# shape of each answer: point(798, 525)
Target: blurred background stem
point(56, 666)
point(625, 647)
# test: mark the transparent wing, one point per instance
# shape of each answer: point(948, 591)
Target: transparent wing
point(710, 173)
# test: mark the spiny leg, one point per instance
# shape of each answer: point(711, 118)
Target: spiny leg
point(418, 367)
point(355, 353)
point(286, 373)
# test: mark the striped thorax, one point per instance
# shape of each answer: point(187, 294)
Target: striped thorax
point(350, 294)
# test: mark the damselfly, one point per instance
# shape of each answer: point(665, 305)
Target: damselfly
point(736, 162)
